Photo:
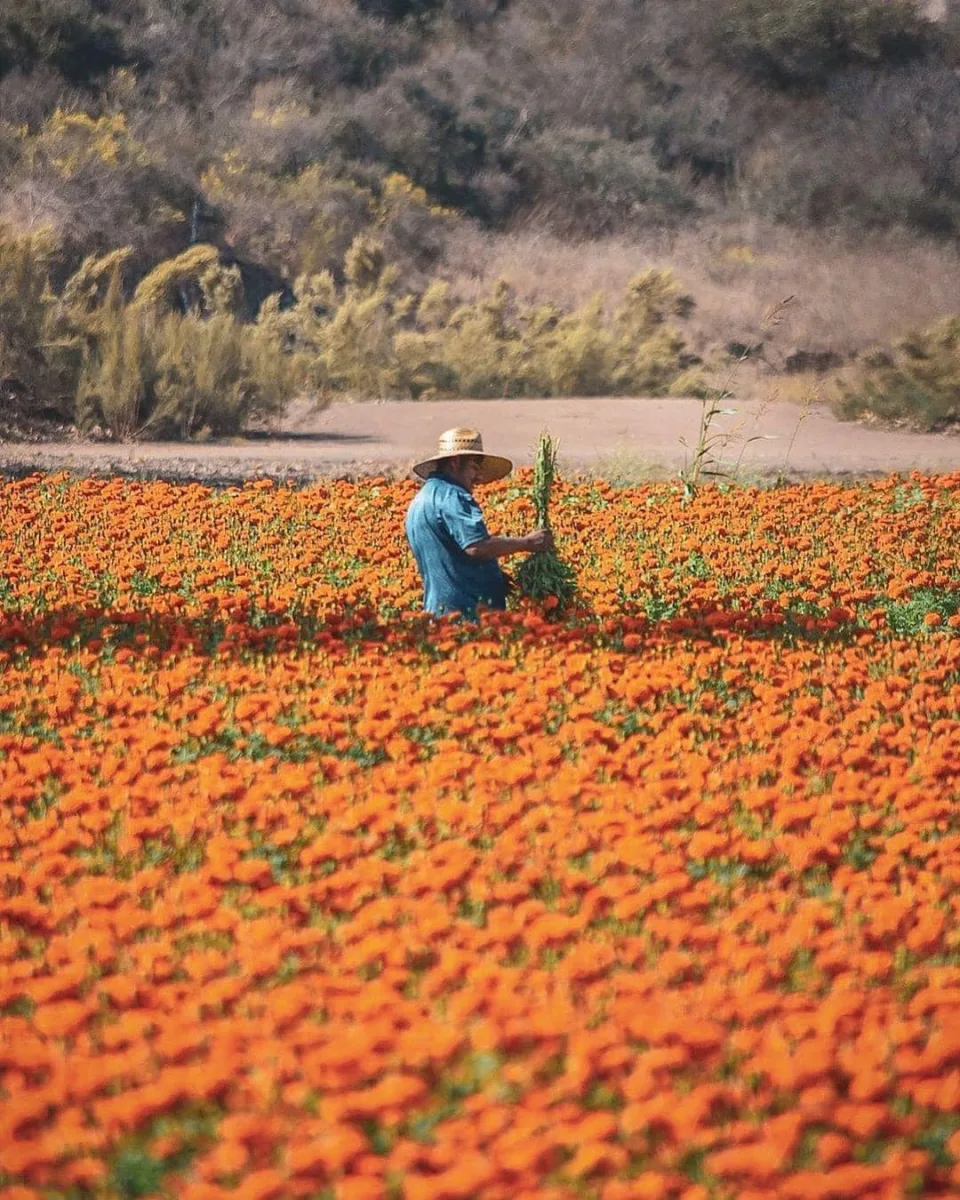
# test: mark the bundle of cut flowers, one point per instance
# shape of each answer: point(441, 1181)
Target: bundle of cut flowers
point(544, 576)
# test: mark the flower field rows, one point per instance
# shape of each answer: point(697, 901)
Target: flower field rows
point(302, 895)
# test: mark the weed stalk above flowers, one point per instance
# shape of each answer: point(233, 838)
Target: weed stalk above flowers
point(544, 576)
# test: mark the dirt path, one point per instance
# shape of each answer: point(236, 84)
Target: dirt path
point(618, 438)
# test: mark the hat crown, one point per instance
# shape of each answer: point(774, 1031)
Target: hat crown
point(459, 441)
point(454, 442)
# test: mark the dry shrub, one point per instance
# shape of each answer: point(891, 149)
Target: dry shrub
point(274, 127)
point(370, 338)
point(304, 221)
point(917, 382)
point(801, 43)
point(587, 183)
point(295, 223)
point(174, 361)
point(851, 293)
point(71, 36)
point(98, 185)
point(878, 151)
point(26, 260)
point(182, 376)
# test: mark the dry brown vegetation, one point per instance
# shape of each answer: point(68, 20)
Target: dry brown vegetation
point(756, 150)
point(849, 294)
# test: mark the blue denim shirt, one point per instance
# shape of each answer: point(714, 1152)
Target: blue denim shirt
point(442, 521)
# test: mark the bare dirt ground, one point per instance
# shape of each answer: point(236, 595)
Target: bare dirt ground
point(626, 440)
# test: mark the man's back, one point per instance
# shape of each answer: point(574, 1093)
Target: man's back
point(443, 521)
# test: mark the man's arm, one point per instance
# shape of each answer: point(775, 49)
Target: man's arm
point(503, 547)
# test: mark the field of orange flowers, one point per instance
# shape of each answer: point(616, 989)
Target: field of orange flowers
point(304, 896)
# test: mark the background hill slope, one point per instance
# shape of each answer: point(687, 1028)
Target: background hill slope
point(747, 144)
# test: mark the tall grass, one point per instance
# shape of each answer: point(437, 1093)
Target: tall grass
point(852, 294)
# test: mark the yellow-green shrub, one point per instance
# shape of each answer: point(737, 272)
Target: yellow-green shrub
point(175, 360)
point(367, 339)
point(497, 347)
point(25, 264)
point(303, 223)
point(149, 369)
point(183, 375)
point(116, 392)
point(917, 382)
point(194, 279)
point(44, 336)
point(575, 353)
point(345, 337)
point(101, 184)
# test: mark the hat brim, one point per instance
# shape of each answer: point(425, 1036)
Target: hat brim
point(493, 467)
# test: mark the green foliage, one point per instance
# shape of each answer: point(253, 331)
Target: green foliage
point(906, 618)
point(481, 346)
point(135, 1173)
point(918, 382)
point(544, 575)
point(804, 42)
point(704, 459)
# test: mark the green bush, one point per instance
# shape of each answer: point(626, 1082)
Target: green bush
point(794, 43)
point(918, 382)
point(907, 617)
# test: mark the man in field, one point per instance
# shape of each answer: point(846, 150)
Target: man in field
point(456, 556)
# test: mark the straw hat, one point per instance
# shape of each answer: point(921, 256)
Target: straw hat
point(455, 442)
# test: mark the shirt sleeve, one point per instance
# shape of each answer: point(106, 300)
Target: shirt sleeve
point(463, 519)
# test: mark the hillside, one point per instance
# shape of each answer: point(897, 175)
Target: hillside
point(448, 130)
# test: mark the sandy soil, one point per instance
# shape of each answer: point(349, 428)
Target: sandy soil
point(627, 439)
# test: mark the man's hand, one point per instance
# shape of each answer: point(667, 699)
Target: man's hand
point(539, 540)
point(501, 547)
